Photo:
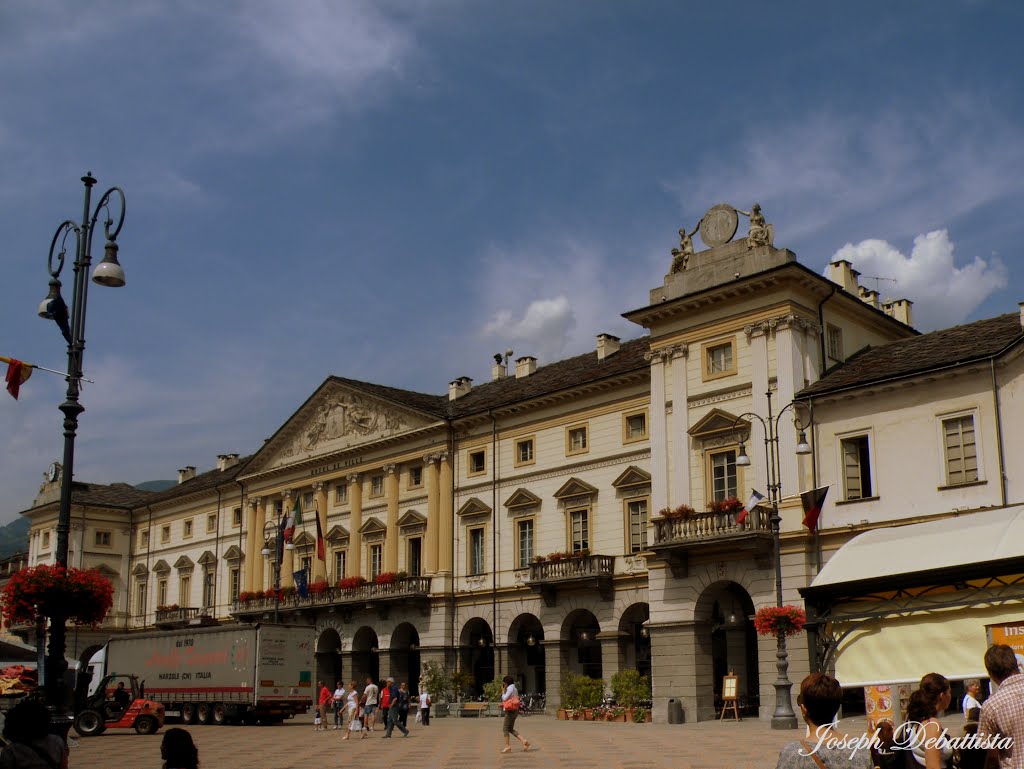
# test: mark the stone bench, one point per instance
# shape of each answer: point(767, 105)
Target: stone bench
point(473, 709)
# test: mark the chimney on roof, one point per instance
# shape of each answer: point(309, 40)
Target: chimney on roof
point(870, 296)
point(842, 272)
point(186, 474)
point(525, 366)
point(459, 387)
point(606, 345)
point(899, 309)
point(226, 461)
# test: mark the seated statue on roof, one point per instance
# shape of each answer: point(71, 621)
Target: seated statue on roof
point(681, 255)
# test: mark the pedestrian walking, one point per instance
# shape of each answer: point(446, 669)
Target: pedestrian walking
point(323, 703)
point(351, 710)
point(392, 692)
point(338, 701)
point(370, 694)
point(403, 704)
point(424, 707)
point(930, 747)
point(510, 704)
point(385, 700)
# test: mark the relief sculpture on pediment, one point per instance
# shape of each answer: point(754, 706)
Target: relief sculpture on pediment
point(347, 415)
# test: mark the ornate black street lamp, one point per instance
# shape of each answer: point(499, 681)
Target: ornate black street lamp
point(272, 534)
point(72, 325)
point(783, 717)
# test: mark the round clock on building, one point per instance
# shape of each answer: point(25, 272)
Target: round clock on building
point(53, 472)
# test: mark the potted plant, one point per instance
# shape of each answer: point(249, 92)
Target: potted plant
point(780, 620)
point(729, 505)
point(582, 694)
point(351, 584)
point(462, 682)
point(438, 684)
point(492, 693)
point(642, 716)
point(630, 688)
point(539, 559)
point(318, 587)
point(386, 578)
point(83, 596)
point(680, 512)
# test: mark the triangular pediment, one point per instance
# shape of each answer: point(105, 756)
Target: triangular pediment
point(207, 558)
point(184, 563)
point(411, 518)
point(717, 422)
point(372, 526)
point(139, 570)
point(632, 476)
point(574, 487)
point(107, 571)
point(473, 506)
point(522, 498)
point(337, 534)
point(343, 415)
point(303, 539)
point(233, 553)
point(161, 567)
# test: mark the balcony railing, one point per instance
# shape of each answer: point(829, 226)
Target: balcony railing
point(702, 527)
point(370, 593)
point(177, 614)
point(593, 571)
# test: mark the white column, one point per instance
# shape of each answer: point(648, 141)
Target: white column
point(789, 373)
point(757, 473)
point(680, 425)
point(659, 435)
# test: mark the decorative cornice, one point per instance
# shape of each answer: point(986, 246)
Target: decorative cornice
point(720, 397)
point(390, 469)
point(772, 325)
point(318, 486)
point(353, 478)
point(665, 354)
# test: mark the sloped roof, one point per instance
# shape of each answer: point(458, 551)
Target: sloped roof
point(201, 482)
point(108, 495)
point(560, 375)
point(938, 349)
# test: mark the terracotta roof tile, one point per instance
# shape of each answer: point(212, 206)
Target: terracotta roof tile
point(927, 352)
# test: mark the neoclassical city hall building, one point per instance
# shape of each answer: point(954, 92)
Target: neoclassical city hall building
point(517, 522)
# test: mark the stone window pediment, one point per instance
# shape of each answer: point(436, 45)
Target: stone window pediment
point(411, 518)
point(574, 487)
point(522, 498)
point(717, 423)
point(161, 567)
point(207, 558)
point(234, 553)
point(632, 476)
point(372, 526)
point(303, 539)
point(140, 570)
point(337, 535)
point(473, 507)
point(184, 563)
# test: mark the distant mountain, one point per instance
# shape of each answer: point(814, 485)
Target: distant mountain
point(155, 485)
point(14, 537)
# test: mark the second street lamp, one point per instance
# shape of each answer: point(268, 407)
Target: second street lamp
point(273, 535)
point(71, 322)
point(783, 717)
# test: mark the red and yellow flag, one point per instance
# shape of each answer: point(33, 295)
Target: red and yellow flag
point(18, 373)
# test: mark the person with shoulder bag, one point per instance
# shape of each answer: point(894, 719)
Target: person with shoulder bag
point(510, 704)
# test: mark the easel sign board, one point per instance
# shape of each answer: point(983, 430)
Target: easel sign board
point(730, 687)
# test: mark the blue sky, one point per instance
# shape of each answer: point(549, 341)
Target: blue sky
point(393, 191)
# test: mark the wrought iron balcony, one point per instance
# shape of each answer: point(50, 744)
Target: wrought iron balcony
point(675, 537)
point(371, 594)
point(180, 616)
point(549, 576)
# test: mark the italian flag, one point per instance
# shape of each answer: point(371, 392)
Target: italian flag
point(294, 519)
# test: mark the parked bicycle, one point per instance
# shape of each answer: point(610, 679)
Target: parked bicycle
point(531, 703)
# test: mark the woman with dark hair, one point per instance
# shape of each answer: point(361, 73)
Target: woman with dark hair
point(930, 749)
point(510, 704)
point(178, 751)
point(826, 748)
point(883, 752)
point(31, 745)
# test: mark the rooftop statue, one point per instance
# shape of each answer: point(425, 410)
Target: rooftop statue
point(681, 255)
point(760, 233)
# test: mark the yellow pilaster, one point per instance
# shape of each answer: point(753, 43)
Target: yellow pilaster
point(391, 537)
point(446, 515)
point(251, 547)
point(433, 504)
point(256, 557)
point(320, 567)
point(355, 521)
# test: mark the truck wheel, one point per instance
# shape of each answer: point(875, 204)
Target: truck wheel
point(188, 713)
point(89, 723)
point(220, 714)
point(146, 725)
point(203, 712)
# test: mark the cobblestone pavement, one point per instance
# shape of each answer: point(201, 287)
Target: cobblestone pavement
point(465, 743)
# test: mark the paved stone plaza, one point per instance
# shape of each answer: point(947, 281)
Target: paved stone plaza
point(466, 744)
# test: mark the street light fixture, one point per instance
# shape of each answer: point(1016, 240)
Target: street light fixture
point(72, 325)
point(272, 532)
point(783, 717)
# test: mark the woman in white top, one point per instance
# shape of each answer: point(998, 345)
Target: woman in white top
point(933, 751)
point(510, 704)
point(351, 704)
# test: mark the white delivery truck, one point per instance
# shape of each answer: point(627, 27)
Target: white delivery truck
point(235, 673)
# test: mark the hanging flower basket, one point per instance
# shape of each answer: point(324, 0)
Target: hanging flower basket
point(83, 596)
point(780, 620)
point(728, 505)
point(677, 513)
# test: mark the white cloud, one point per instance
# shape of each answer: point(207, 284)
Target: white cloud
point(943, 294)
point(544, 327)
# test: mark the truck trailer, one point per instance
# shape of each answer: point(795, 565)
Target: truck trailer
point(223, 674)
